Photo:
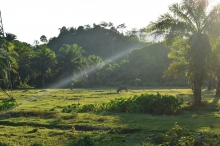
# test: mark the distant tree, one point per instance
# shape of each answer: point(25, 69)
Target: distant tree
point(43, 39)
point(72, 30)
point(142, 34)
point(137, 82)
point(44, 59)
point(63, 30)
point(26, 69)
point(36, 42)
point(71, 59)
point(9, 63)
point(95, 64)
point(215, 67)
point(10, 37)
point(104, 24)
point(121, 27)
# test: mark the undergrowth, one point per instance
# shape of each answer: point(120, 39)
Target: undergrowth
point(6, 105)
point(145, 103)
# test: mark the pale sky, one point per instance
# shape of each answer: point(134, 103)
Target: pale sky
point(30, 19)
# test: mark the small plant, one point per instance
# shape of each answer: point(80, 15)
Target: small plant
point(70, 108)
point(8, 105)
point(182, 136)
point(83, 141)
point(37, 144)
point(3, 144)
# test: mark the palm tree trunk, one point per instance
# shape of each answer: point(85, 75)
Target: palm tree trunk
point(210, 85)
point(197, 91)
point(43, 79)
point(217, 93)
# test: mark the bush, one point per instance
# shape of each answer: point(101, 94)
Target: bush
point(147, 103)
point(3, 144)
point(144, 103)
point(70, 108)
point(83, 141)
point(37, 144)
point(8, 105)
point(182, 136)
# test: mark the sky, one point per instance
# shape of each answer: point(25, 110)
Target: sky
point(30, 19)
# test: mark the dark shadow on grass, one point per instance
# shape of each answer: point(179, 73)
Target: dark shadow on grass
point(33, 113)
point(109, 93)
point(56, 126)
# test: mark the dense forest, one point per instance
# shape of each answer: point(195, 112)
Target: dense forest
point(87, 56)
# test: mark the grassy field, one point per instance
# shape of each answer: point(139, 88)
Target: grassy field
point(39, 117)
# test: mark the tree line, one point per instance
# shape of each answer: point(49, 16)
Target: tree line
point(107, 58)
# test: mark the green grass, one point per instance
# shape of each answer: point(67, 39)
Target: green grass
point(38, 117)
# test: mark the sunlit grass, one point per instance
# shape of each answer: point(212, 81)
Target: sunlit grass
point(35, 124)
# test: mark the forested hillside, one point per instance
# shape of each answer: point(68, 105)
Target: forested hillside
point(89, 57)
point(102, 40)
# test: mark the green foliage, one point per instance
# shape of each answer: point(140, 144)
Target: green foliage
point(3, 144)
point(182, 136)
point(177, 23)
point(145, 103)
point(8, 105)
point(88, 108)
point(83, 141)
point(37, 144)
point(96, 40)
point(70, 108)
point(157, 104)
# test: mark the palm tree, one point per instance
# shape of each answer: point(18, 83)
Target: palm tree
point(44, 58)
point(193, 21)
point(10, 37)
point(215, 65)
point(95, 64)
point(8, 63)
point(71, 59)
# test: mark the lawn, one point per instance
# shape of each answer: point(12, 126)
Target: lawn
point(39, 117)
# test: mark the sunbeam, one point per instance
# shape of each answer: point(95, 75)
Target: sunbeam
point(90, 70)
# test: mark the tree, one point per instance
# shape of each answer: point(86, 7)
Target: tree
point(215, 67)
point(3, 59)
point(71, 59)
point(43, 59)
point(193, 21)
point(43, 39)
point(26, 70)
point(95, 64)
point(36, 42)
point(10, 37)
point(137, 82)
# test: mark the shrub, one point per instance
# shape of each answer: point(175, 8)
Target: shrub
point(37, 144)
point(144, 103)
point(182, 136)
point(147, 103)
point(8, 105)
point(83, 141)
point(3, 144)
point(70, 108)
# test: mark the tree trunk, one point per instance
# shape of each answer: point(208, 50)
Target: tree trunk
point(197, 91)
point(43, 79)
point(210, 85)
point(217, 93)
